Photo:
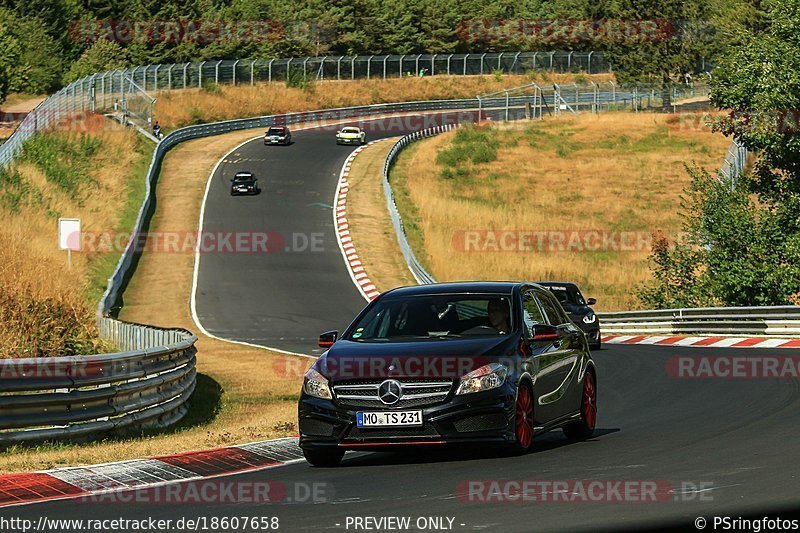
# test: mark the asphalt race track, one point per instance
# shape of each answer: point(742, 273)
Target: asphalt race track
point(735, 439)
point(285, 298)
point(711, 446)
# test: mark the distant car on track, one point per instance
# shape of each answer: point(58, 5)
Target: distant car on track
point(277, 135)
point(351, 135)
point(449, 364)
point(578, 308)
point(244, 183)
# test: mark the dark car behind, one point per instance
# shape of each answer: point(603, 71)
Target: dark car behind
point(578, 309)
point(244, 183)
point(278, 135)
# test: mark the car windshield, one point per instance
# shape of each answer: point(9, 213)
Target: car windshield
point(567, 294)
point(434, 316)
point(350, 130)
point(243, 177)
point(276, 131)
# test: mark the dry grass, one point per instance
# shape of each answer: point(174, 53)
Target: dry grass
point(188, 106)
point(609, 172)
point(244, 393)
point(371, 229)
point(45, 309)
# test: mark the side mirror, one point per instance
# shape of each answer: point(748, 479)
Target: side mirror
point(544, 332)
point(327, 339)
point(591, 301)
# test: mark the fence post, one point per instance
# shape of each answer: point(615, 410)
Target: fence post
point(339, 68)
point(484, 55)
point(385, 59)
point(200, 75)
point(589, 63)
point(448, 63)
point(216, 72)
point(401, 65)
point(369, 65)
point(305, 67)
point(235, 63)
point(353, 68)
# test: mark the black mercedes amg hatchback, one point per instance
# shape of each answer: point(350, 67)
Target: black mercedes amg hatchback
point(482, 363)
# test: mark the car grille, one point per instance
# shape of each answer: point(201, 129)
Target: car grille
point(426, 430)
point(415, 393)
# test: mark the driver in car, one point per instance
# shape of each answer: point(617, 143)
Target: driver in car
point(499, 315)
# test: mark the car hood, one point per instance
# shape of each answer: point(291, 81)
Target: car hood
point(434, 359)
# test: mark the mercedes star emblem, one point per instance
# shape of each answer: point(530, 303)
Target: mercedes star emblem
point(389, 392)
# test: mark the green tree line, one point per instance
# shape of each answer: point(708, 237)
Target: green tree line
point(43, 45)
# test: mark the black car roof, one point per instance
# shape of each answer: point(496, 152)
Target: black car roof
point(479, 287)
point(556, 284)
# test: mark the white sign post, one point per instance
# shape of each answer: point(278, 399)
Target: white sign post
point(69, 236)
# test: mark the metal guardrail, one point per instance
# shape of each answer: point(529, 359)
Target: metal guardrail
point(125, 91)
point(417, 270)
point(85, 396)
point(769, 320)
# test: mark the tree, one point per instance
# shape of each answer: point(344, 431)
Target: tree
point(10, 51)
point(744, 240)
point(101, 56)
point(672, 42)
point(38, 65)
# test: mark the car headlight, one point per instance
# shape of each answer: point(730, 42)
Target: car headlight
point(486, 377)
point(591, 318)
point(316, 385)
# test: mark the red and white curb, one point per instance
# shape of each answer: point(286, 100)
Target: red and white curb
point(64, 483)
point(703, 342)
point(354, 266)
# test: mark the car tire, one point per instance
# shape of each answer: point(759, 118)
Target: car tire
point(523, 419)
point(584, 428)
point(323, 458)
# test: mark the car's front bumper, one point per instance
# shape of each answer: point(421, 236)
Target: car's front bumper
point(592, 330)
point(484, 417)
point(348, 140)
point(275, 140)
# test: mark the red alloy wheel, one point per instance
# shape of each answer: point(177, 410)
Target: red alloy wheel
point(589, 401)
point(524, 417)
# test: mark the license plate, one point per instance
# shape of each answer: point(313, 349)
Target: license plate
point(388, 418)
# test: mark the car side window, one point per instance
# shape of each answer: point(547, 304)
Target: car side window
point(552, 308)
point(531, 313)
